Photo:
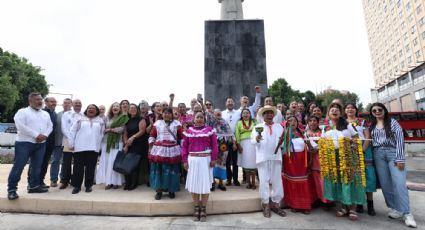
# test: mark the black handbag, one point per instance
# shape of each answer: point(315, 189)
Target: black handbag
point(126, 163)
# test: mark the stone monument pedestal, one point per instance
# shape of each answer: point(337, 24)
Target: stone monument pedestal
point(235, 60)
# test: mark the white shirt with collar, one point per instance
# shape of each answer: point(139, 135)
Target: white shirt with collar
point(30, 123)
point(231, 117)
point(68, 118)
point(254, 106)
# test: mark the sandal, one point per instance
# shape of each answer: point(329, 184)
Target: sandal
point(342, 212)
point(276, 209)
point(266, 210)
point(196, 213)
point(353, 215)
point(203, 214)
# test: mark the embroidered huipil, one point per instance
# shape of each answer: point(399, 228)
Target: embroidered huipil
point(165, 147)
point(200, 140)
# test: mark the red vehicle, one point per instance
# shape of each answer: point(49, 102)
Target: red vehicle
point(412, 123)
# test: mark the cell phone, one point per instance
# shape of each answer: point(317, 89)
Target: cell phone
point(199, 97)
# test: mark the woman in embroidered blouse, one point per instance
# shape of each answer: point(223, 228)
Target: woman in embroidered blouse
point(225, 138)
point(295, 168)
point(111, 144)
point(85, 139)
point(199, 153)
point(348, 194)
point(246, 155)
point(362, 128)
point(315, 179)
point(389, 156)
point(165, 155)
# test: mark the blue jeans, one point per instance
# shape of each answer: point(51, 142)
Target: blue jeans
point(23, 152)
point(393, 181)
point(56, 160)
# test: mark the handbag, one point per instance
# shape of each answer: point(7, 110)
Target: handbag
point(126, 163)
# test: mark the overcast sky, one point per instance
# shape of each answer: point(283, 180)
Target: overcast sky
point(104, 51)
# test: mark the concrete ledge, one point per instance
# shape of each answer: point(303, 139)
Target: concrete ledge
point(117, 202)
point(139, 202)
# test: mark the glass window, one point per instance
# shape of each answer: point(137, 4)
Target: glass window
point(407, 48)
point(415, 41)
point(400, 53)
point(418, 54)
point(413, 29)
point(423, 35)
point(409, 59)
point(408, 7)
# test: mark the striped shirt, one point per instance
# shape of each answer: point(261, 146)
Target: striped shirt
point(397, 141)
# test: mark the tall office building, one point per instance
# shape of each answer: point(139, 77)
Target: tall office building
point(396, 32)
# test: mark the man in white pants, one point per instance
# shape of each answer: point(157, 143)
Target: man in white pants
point(269, 163)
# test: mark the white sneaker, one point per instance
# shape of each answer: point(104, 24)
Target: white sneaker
point(394, 214)
point(409, 221)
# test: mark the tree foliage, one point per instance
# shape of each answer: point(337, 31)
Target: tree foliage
point(18, 78)
point(282, 92)
point(325, 98)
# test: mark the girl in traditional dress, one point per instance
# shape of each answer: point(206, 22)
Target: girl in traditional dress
point(316, 181)
point(346, 194)
point(246, 156)
point(298, 195)
point(164, 155)
point(225, 138)
point(199, 152)
point(111, 144)
point(362, 128)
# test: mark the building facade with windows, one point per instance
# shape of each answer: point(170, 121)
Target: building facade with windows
point(396, 33)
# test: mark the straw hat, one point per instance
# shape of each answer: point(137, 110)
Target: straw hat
point(267, 108)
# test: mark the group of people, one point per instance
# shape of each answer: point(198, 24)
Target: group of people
point(299, 157)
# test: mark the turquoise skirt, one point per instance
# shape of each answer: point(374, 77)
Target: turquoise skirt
point(165, 177)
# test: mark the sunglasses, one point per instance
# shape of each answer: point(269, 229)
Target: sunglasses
point(377, 110)
point(208, 104)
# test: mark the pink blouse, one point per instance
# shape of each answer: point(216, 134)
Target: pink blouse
point(199, 139)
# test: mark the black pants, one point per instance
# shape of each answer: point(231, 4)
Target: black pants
point(232, 164)
point(46, 160)
point(84, 167)
point(66, 169)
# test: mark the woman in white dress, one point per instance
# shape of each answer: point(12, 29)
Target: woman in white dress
point(246, 156)
point(111, 144)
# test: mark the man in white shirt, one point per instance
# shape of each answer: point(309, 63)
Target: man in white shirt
point(34, 126)
point(269, 162)
point(193, 102)
point(268, 100)
point(68, 118)
point(231, 116)
point(245, 102)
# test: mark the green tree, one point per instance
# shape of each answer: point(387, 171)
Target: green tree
point(325, 98)
point(281, 91)
point(18, 78)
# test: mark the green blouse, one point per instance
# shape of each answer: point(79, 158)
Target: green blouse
point(242, 133)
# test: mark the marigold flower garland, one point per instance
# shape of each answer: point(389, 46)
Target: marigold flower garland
point(351, 160)
point(327, 159)
point(361, 162)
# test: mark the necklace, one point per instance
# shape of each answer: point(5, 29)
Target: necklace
point(244, 124)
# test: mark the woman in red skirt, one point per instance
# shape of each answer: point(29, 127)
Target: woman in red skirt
point(298, 195)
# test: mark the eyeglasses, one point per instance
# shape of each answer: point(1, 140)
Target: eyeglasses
point(377, 110)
